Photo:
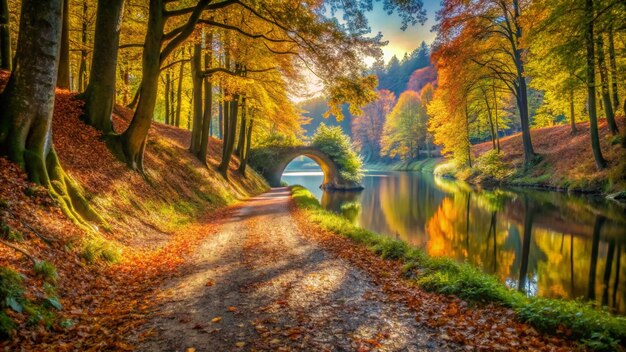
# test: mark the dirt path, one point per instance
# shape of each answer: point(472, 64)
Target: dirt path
point(259, 285)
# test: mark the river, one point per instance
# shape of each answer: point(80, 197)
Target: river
point(543, 243)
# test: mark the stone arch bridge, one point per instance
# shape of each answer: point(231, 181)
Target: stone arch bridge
point(272, 161)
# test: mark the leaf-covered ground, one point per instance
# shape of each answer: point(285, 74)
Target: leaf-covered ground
point(153, 225)
point(270, 280)
point(258, 283)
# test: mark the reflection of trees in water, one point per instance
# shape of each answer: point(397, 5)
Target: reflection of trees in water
point(542, 242)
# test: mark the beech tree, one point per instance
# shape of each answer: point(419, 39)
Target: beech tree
point(100, 93)
point(27, 105)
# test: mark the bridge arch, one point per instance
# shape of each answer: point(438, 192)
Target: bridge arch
point(272, 161)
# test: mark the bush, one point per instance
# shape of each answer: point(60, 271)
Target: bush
point(46, 270)
point(448, 169)
point(332, 141)
point(491, 165)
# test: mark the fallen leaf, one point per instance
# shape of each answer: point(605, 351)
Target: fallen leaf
point(240, 344)
point(232, 309)
point(216, 320)
point(210, 283)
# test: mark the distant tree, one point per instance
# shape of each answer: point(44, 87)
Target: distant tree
point(367, 129)
point(421, 78)
point(404, 129)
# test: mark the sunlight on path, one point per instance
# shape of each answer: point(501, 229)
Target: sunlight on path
point(258, 285)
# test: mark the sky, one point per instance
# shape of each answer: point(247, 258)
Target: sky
point(402, 41)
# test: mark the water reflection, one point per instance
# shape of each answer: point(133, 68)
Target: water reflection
point(543, 243)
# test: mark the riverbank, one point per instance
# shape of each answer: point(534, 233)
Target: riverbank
point(564, 162)
point(424, 165)
point(568, 319)
point(70, 289)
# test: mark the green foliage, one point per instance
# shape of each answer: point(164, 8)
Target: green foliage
point(11, 297)
point(6, 326)
point(491, 165)
point(448, 169)
point(332, 141)
point(46, 270)
point(283, 183)
point(97, 248)
point(7, 233)
point(597, 329)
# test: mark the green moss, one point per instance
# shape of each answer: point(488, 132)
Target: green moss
point(596, 328)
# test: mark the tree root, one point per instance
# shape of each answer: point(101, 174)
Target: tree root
point(20, 250)
point(45, 239)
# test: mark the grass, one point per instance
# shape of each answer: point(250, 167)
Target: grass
point(424, 165)
point(596, 328)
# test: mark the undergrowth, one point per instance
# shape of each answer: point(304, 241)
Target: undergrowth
point(596, 328)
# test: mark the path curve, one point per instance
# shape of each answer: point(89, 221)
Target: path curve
point(259, 284)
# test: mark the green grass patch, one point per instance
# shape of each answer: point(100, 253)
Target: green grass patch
point(596, 328)
point(46, 270)
point(95, 248)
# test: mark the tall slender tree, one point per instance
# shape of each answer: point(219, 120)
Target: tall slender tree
point(100, 92)
point(63, 80)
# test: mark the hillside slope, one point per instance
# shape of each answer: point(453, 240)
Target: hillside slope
point(566, 160)
point(103, 280)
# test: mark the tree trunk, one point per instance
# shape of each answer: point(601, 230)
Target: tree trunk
point(220, 117)
point(208, 101)
point(172, 117)
point(100, 93)
point(82, 68)
point(492, 129)
point(27, 104)
point(591, 87)
point(179, 92)
point(129, 145)
point(467, 131)
point(229, 135)
point(5, 37)
point(495, 111)
point(572, 117)
point(196, 76)
point(63, 80)
point(522, 91)
point(614, 72)
point(242, 129)
point(244, 159)
point(604, 80)
point(168, 83)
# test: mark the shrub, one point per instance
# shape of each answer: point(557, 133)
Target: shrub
point(46, 270)
point(332, 141)
point(448, 169)
point(491, 165)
